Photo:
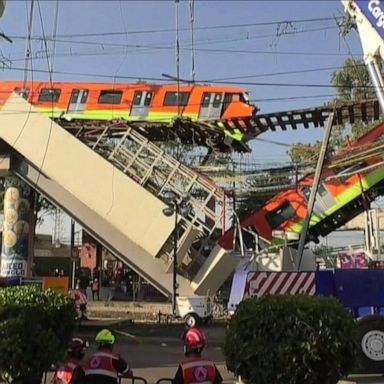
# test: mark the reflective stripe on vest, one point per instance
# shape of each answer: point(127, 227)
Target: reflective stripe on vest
point(71, 365)
point(198, 371)
point(103, 372)
point(64, 373)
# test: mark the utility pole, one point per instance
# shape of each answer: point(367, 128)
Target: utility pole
point(73, 253)
point(31, 232)
point(177, 58)
point(315, 185)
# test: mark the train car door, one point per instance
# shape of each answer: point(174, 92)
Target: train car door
point(324, 198)
point(78, 100)
point(141, 103)
point(211, 105)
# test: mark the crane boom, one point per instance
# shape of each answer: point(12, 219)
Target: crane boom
point(369, 18)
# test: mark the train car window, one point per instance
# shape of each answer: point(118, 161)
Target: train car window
point(84, 97)
point(322, 191)
point(205, 99)
point(281, 214)
point(171, 99)
point(148, 99)
point(75, 96)
point(217, 100)
point(110, 97)
point(244, 98)
point(226, 102)
point(23, 92)
point(137, 97)
point(49, 95)
point(249, 237)
point(306, 192)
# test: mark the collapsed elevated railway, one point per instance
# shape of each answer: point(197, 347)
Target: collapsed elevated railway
point(217, 117)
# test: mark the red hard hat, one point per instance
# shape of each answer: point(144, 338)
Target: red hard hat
point(77, 345)
point(194, 340)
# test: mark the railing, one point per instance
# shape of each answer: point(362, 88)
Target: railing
point(158, 172)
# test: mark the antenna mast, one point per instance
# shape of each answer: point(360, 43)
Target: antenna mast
point(28, 49)
point(192, 20)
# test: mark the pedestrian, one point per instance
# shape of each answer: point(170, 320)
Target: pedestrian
point(84, 284)
point(195, 368)
point(105, 367)
point(81, 302)
point(71, 371)
point(95, 288)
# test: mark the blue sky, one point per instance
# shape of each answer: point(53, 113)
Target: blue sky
point(244, 42)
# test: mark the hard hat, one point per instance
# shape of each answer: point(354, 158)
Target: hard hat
point(77, 345)
point(105, 336)
point(194, 340)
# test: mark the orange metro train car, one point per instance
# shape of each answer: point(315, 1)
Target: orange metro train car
point(344, 192)
point(131, 102)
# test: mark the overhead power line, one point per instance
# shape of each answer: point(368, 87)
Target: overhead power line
point(145, 50)
point(202, 28)
point(268, 74)
point(203, 41)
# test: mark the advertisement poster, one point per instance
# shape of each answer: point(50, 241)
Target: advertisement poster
point(58, 284)
point(14, 250)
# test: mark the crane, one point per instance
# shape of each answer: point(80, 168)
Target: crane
point(369, 19)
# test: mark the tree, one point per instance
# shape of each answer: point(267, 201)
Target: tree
point(302, 153)
point(291, 339)
point(352, 83)
point(35, 329)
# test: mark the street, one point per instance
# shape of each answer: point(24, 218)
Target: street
point(153, 351)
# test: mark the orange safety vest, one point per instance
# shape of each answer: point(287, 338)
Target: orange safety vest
point(198, 371)
point(63, 373)
point(101, 364)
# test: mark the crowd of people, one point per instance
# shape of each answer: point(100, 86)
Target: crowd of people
point(107, 367)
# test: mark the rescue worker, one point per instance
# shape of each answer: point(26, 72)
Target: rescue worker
point(71, 371)
point(196, 369)
point(105, 367)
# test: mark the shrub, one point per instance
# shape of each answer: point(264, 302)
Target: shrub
point(35, 328)
point(291, 340)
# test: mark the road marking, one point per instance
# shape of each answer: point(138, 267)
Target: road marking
point(126, 334)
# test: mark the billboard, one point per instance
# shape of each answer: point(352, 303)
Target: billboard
point(57, 284)
point(14, 249)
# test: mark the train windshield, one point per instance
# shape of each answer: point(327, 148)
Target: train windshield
point(244, 98)
point(281, 214)
point(232, 97)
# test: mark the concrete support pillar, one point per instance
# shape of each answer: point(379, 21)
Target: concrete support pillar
point(14, 249)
